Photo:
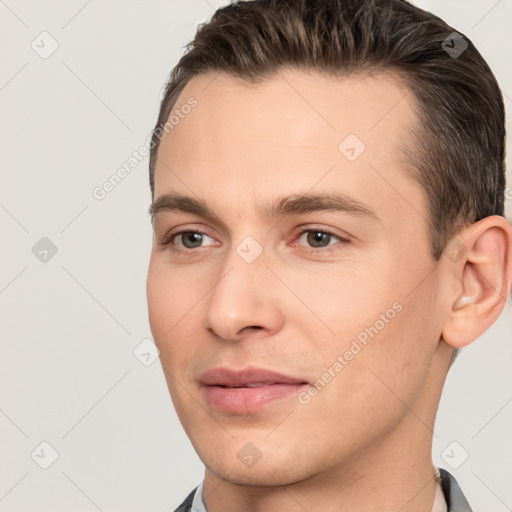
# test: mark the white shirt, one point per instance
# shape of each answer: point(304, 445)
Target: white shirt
point(198, 503)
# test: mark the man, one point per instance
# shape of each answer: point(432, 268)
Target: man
point(328, 185)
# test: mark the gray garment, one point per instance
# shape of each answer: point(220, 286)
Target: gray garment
point(453, 495)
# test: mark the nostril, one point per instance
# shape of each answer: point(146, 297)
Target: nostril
point(257, 327)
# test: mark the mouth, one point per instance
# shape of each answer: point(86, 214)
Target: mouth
point(247, 390)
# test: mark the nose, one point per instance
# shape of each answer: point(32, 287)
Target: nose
point(243, 299)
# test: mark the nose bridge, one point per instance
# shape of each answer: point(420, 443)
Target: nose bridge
point(240, 297)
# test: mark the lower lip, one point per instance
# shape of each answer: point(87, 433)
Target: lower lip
point(247, 400)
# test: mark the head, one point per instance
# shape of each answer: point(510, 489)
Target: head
point(343, 173)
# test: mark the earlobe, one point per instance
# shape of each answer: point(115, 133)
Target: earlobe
point(483, 280)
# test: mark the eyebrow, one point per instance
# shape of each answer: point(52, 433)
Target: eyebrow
point(287, 205)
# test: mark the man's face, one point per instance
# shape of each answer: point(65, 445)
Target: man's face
point(349, 307)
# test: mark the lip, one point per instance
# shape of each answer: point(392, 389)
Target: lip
point(226, 389)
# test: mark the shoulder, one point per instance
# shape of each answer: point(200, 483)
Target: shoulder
point(187, 503)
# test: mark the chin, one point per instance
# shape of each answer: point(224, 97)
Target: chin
point(250, 480)
point(270, 470)
point(264, 476)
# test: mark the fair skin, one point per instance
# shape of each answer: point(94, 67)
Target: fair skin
point(364, 441)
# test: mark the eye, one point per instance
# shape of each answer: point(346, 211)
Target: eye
point(189, 239)
point(318, 239)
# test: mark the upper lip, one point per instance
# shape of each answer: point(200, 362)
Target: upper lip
point(239, 377)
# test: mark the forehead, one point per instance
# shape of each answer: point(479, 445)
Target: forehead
point(291, 132)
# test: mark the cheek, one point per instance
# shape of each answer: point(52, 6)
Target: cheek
point(172, 293)
point(340, 302)
point(381, 345)
point(372, 392)
point(168, 311)
point(170, 307)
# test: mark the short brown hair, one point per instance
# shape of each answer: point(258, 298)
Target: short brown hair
point(457, 151)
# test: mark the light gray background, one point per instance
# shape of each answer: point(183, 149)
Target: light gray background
point(69, 326)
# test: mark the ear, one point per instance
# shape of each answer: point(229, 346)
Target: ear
point(479, 263)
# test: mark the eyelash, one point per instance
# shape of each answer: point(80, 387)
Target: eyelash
point(167, 241)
